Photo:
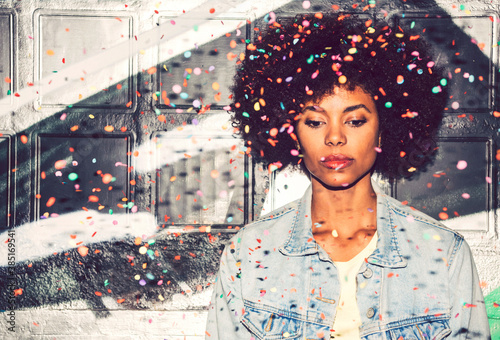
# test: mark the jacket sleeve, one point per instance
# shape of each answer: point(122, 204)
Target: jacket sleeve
point(226, 306)
point(468, 311)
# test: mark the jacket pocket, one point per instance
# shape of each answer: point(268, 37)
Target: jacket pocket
point(269, 323)
point(430, 330)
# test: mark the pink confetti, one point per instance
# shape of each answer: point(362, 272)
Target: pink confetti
point(461, 165)
point(177, 88)
point(488, 180)
point(466, 195)
point(306, 4)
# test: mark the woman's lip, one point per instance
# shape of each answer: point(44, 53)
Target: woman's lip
point(337, 164)
point(336, 158)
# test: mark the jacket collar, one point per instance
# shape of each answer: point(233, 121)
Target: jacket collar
point(301, 241)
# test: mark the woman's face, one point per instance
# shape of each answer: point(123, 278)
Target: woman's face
point(338, 136)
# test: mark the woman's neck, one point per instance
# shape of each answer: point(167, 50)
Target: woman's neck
point(346, 211)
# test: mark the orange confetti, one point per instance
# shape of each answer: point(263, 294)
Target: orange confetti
point(18, 291)
point(443, 215)
point(230, 56)
point(152, 70)
point(51, 202)
point(98, 293)
point(83, 251)
point(74, 128)
point(120, 300)
point(60, 164)
point(215, 86)
point(173, 178)
point(24, 139)
point(109, 128)
point(93, 198)
point(132, 182)
point(214, 174)
point(50, 52)
point(212, 10)
point(178, 197)
point(7, 80)
point(107, 178)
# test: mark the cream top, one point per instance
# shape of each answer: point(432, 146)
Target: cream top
point(347, 319)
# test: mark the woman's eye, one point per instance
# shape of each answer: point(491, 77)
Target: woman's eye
point(356, 122)
point(313, 123)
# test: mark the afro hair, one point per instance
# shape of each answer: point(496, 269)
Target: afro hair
point(303, 59)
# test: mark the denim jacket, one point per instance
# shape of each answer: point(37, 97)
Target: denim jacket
point(276, 282)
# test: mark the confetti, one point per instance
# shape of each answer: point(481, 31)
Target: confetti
point(83, 251)
point(442, 215)
point(461, 165)
point(50, 202)
point(60, 164)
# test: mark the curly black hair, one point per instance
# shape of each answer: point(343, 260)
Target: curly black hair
point(304, 58)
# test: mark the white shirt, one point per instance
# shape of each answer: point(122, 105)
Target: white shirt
point(347, 319)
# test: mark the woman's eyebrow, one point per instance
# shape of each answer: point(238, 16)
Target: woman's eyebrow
point(316, 108)
point(355, 107)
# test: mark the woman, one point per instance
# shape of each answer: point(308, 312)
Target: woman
point(341, 97)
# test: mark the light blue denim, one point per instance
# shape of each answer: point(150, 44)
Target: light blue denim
point(276, 282)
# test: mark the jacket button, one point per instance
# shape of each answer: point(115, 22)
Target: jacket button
point(370, 313)
point(368, 273)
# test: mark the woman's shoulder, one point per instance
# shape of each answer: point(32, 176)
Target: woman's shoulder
point(419, 222)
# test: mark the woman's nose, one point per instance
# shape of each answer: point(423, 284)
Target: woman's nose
point(335, 136)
